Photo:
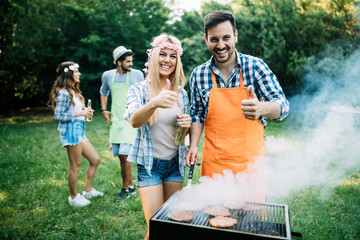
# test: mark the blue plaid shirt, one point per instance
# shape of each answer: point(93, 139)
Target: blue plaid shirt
point(142, 150)
point(254, 71)
point(62, 112)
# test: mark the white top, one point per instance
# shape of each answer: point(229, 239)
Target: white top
point(163, 133)
point(78, 107)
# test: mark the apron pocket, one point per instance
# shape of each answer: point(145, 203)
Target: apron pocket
point(229, 149)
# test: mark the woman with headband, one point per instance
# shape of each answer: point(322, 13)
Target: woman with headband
point(68, 104)
point(155, 106)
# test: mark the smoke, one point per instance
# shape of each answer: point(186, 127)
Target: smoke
point(325, 144)
point(320, 146)
point(227, 189)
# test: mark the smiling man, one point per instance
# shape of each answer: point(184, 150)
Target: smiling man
point(232, 94)
point(117, 82)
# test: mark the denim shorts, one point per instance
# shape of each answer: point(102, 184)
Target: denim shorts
point(161, 171)
point(75, 133)
point(121, 149)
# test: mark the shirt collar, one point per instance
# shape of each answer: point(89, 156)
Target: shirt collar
point(212, 66)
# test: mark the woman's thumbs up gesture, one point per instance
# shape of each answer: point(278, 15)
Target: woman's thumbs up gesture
point(166, 98)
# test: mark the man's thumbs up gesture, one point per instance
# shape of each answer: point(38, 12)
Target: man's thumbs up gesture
point(166, 98)
point(251, 107)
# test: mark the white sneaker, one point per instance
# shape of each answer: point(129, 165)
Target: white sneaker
point(78, 201)
point(92, 193)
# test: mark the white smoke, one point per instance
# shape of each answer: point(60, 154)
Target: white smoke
point(226, 189)
point(320, 147)
point(326, 144)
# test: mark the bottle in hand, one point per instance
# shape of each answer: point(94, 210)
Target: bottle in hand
point(89, 119)
point(180, 131)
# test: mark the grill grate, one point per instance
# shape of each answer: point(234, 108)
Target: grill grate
point(255, 220)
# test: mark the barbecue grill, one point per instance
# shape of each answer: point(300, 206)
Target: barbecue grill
point(255, 221)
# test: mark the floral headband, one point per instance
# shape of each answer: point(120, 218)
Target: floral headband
point(71, 67)
point(163, 45)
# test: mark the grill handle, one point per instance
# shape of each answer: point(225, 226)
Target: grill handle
point(191, 171)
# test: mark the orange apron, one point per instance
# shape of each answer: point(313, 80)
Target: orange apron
point(232, 141)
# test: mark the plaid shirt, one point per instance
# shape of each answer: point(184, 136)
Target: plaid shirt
point(254, 71)
point(62, 112)
point(142, 150)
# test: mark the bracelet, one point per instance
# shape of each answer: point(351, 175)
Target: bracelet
point(104, 109)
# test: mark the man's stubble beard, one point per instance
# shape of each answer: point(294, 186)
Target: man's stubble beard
point(223, 61)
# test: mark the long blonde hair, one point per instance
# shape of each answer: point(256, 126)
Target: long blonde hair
point(65, 80)
point(177, 78)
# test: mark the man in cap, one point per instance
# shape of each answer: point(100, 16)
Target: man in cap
point(122, 135)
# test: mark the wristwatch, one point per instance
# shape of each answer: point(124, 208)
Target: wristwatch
point(104, 109)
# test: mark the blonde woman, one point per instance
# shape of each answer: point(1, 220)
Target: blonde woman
point(68, 104)
point(155, 106)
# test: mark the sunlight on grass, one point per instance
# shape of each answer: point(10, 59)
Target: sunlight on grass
point(107, 154)
point(38, 211)
point(58, 183)
point(3, 196)
point(25, 119)
point(351, 181)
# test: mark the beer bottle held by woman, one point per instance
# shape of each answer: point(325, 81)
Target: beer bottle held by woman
point(89, 119)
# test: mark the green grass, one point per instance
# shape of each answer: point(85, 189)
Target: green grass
point(34, 191)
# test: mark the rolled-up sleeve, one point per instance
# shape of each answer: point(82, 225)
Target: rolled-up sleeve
point(270, 89)
point(197, 110)
point(63, 103)
point(104, 89)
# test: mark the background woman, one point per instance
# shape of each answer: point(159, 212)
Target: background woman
point(68, 104)
point(155, 106)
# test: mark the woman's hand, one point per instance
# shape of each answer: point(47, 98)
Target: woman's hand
point(86, 112)
point(166, 98)
point(183, 120)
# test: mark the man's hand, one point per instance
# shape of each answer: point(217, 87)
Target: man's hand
point(252, 107)
point(106, 115)
point(191, 156)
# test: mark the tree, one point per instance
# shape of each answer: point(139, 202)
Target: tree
point(285, 33)
point(39, 34)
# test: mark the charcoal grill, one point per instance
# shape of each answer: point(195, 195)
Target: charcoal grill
point(255, 221)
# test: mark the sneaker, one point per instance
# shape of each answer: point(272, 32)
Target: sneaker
point(132, 190)
point(78, 201)
point(123, 194)
point(92, 193)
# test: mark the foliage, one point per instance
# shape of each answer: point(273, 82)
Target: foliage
point(36, 35)
point(286, 33)
point(82, 31)
point(195, 49)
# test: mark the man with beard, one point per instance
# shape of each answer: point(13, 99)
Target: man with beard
point(232, 94)
point(122, 135)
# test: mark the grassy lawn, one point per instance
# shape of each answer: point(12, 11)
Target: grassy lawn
point(34, 191)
